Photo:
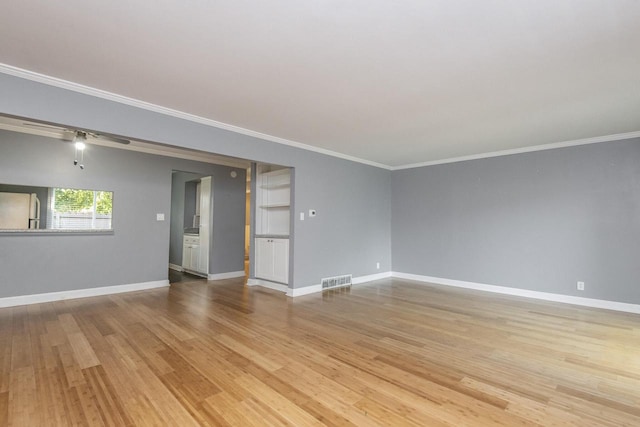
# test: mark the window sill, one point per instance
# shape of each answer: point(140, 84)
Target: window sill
point(56, 232)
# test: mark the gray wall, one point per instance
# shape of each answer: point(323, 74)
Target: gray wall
point(352, 230)
point(539, 221)
point(229, 202)
point(138, 251)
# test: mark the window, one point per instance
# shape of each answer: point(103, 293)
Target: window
point(72, 209)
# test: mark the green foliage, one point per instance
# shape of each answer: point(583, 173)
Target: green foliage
point(104, 202)
point(71, 200)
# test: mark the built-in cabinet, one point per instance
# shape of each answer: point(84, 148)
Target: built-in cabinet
point(272, 259)
point(191, 253)
point(273, 204)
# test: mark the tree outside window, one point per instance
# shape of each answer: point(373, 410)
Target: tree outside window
point(81, 209)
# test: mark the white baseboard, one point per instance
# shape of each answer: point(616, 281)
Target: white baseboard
point(80, 293)
point(196, 273)
point(176, 267)
point(297, 292)
point(370, 277)
point(229, 275)
point(267, 284)
point(546, 296)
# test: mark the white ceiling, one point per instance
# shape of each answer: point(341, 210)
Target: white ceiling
point(393, 82)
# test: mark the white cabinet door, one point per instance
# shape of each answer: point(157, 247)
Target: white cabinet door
point(272, 259)
point(191, 253)
point(195, 258)
point(186, 257)
point(280, 260)
point(264, 258)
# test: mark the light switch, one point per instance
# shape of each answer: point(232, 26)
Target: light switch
point(312, 213)
point(160, 217)
point(301, 216)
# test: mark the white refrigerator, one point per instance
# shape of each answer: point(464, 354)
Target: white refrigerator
point(19, 211)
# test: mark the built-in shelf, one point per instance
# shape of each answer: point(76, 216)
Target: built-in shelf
point(273, 197)
point(275, 186)
point(276, 172)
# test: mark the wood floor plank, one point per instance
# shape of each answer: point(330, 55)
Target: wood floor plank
point(4, 408)
point(82, 351)
point(22, 395)
point(20, 340)
point(108, 404)
point(390, 352)
point(72, 371)
point(6, 352)
point(277, 403)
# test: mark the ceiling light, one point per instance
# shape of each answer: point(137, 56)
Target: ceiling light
point(80, 139)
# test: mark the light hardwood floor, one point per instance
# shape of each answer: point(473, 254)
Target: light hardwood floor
point(390, 352)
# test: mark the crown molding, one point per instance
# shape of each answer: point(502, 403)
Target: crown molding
point(585, 141)
point(99, 93)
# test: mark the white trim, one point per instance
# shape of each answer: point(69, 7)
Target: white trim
point(80, 293)
point(370, 277)
point(267, 284)
point(229, 275)
point(195, 273)
point(176, 267)
point(297, 292)
point(573, 143)
point(87, 90)
point(98, 93)
point(546, 296)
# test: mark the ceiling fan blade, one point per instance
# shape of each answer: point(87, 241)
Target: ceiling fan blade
point(68, 134)
point(111, 138)
point(37, 125)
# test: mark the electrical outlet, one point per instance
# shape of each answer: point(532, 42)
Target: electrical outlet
point(378, 265)
point(580, 286)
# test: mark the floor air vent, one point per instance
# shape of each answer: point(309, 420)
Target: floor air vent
point(336, 282)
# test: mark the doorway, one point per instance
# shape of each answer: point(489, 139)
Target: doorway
point(208, 224)
point(190, 226)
